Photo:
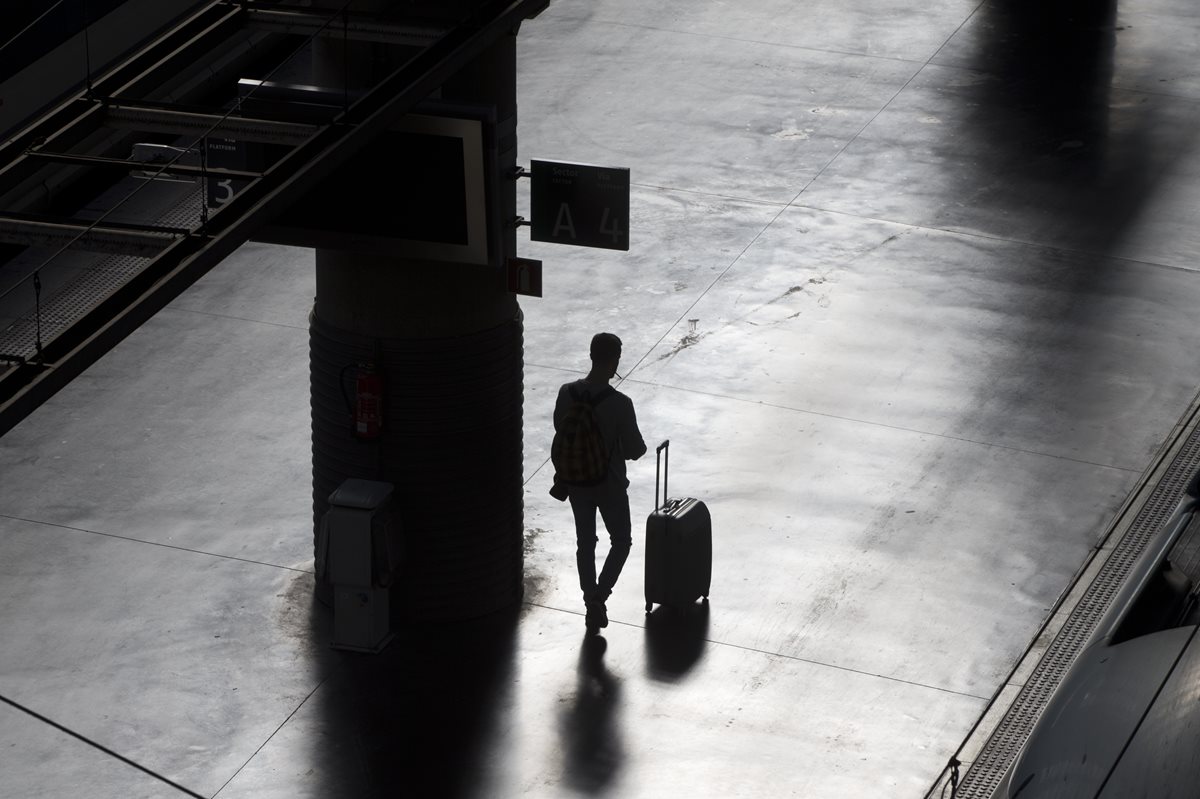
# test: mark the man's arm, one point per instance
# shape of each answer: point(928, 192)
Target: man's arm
point(631, 437)
point(560, 407)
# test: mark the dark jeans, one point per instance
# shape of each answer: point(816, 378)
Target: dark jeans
point(613, 504)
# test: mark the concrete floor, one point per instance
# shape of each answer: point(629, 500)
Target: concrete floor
point(941, 259)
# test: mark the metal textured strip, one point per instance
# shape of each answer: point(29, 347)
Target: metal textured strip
point(1005, 742)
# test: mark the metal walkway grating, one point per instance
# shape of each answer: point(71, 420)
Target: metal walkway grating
point(1005, 742)
point(96, 277)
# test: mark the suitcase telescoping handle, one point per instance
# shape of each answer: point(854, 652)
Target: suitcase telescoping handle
point(658, 468)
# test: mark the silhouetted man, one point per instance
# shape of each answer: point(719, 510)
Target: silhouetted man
point(594, 476)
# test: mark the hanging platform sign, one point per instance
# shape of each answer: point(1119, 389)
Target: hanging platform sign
point(579, 204)
point(227, 154)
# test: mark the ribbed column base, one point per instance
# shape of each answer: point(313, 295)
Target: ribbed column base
point(451, 445)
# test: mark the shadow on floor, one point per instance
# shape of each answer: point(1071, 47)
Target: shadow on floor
point(590, 729)
point(1057, 126)
point(675, 640)
point(422, 718)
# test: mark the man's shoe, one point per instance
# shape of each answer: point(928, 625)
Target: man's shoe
point(597, 615)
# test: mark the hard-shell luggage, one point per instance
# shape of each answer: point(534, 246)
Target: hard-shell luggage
point(678, 546)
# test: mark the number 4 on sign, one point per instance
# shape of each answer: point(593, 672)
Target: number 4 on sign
point(612, 228)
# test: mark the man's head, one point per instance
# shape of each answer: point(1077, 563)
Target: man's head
point(606, 353)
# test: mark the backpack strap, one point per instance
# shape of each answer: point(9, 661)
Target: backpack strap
point(604, 394)
point(578, 396)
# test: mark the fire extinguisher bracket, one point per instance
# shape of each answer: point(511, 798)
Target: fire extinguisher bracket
point(366, 408)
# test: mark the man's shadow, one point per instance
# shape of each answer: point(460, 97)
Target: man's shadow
point(593, 752)
point(675, 640)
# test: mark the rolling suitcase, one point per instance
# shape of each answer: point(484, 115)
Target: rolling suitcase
point(678, 546)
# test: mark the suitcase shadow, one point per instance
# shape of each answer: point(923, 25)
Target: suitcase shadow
point(676, 639)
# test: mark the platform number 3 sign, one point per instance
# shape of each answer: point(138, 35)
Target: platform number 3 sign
point(226, 154)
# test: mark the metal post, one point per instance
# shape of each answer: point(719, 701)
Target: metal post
point(87, 49)
point(37, 301)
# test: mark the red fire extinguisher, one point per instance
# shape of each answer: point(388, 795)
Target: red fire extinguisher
point(367, 408)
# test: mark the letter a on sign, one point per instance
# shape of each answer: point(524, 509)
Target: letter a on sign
point(564, 221)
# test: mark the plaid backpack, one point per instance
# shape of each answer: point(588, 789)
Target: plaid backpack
point(578, 450)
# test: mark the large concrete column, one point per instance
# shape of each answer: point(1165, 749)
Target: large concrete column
point(447, 338)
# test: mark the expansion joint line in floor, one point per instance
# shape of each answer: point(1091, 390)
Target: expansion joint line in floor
point(61, 728)
point(784, 656)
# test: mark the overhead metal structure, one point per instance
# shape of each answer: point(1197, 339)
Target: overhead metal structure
point(307, 23)
point(112, 238)
point(164, 119)
point(81, 140)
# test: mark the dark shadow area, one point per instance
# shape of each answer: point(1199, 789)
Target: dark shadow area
point(423, 718)
point(1083, 155)
point(1056, 59)
point(1056, 155)
point(1043, 118)
point(675, 640)
point(590, 728)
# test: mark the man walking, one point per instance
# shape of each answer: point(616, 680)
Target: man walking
point(595, 432)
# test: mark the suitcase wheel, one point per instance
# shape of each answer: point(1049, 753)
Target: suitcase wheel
point(649, 606)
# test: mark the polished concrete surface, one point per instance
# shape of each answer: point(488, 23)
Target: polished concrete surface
point(942, 265)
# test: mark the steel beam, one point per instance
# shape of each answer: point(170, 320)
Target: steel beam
point(353, 26)
point(143, 242)
point(143, 166)
point(131, 116)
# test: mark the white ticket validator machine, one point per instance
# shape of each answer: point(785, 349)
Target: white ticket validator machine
point(364, 555)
